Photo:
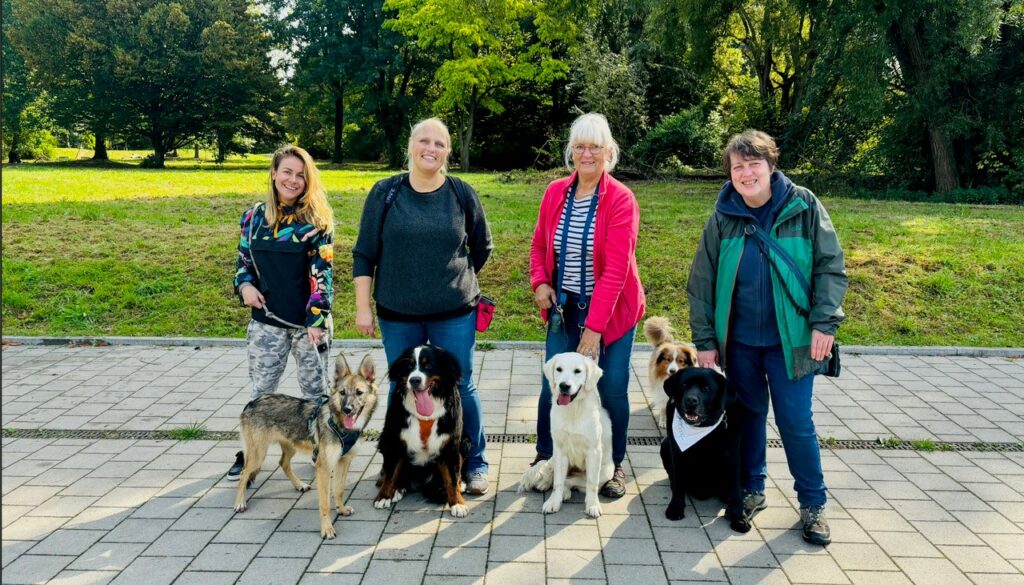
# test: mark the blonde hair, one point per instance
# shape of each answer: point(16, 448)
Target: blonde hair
point(312, 206)
point(419, 127)
point(593, 129)
point(750, 144)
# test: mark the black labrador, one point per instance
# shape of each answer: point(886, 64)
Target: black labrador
point(703, 416)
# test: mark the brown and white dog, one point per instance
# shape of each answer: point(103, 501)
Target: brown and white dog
point(667, 358)
point(328, 428)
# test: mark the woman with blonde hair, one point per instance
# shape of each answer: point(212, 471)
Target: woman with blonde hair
point(423, 239)
point(285, 254)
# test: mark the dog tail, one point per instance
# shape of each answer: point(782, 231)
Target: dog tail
point(539, 477)
point(658, 331)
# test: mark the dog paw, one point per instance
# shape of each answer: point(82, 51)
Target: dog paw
point(345, 510)
point(460, 510)
point(552, 505)
point(327, 531)
point(398, 496)
point(303, 487)
point(241, 507)
point(594, 511)
point(674, 512)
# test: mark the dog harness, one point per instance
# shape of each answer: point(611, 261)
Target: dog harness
point(347, 438)
point(687, 436)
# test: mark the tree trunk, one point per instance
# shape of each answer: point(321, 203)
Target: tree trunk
point(13, 156)
point(466, 135)
point(100, 152)
point(195, 152)
point(943, 160)
point(339, 123)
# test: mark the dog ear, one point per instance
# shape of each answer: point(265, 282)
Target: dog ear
point(368, 369)
point(691, 355)
point(594, 373)
point(341, 368)
point(549, 372)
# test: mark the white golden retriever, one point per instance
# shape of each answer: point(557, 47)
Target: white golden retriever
point(581, 432)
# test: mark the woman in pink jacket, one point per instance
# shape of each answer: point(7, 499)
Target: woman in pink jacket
point(584, 276)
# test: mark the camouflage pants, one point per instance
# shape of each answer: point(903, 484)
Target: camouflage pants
point(269, 347)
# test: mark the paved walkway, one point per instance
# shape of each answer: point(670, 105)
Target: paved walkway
point(159, 511)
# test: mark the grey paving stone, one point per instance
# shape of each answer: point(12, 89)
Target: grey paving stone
point(572, 537)
point(692, 567)
point(976, 559)
point(877, 578)
point(331, 579)
point(935, 571)
point(457, 561)
point(67, 542)
point(811, 569)
point(207, 578)
point(108, 556)
point(411, 546)
point(753, 576)
point(34, 568)
point(246, 531)
point(630, 551)
point(224, 557)
point(946, 533)
point(633, 574)
point(152, 571)
point(987, 522)
point(576, 564)
point(386, 571)
point(198, 518)
point(514, 573)
point(265, 571)
point(861, 556)
point(83, 578)
point(350, 559)
point(518, 524)
point(745, 553)
point(137, 530)
point(292, 544)
point(463, 534)
point(180, 543)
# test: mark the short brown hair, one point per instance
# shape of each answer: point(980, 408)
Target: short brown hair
point(750, 144)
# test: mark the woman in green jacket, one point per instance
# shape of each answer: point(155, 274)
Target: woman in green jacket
point(750, 314)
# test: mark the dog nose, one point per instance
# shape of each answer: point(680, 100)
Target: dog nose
point(564, 387)
point(690, 401)
point(347, 409)
point(415, 382)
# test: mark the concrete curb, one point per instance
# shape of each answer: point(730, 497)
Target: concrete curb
point(936, 350)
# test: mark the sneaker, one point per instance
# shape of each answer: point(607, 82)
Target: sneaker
point(236, 470)
point(815, 526)
point(477, 484)
point(753, 502)
point(616, 486)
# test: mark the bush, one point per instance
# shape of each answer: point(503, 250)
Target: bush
point(690, 137)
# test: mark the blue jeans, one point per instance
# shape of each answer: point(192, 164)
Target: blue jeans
point(756, 372)
point(457, 335)
point(613, 385)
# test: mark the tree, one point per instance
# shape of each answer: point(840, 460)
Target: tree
point(67, 47)
point(486, 46)
point(173, 60)
point(17, 94)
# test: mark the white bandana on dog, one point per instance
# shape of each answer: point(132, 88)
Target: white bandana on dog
point(687, 436)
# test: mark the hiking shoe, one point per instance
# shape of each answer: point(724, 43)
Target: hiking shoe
point(616, 486)
point(236, 470)
point(477, 484)
point(815, 526)
point(753, 502)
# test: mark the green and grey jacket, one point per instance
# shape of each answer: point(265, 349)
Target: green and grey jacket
point(802, 228)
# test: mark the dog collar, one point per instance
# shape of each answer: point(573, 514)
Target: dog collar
point(687, 436)
point(347, 438)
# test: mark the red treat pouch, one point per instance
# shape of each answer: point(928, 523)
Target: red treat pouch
point(484, 313)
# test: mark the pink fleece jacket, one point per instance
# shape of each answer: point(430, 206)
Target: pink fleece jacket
point(618, 302)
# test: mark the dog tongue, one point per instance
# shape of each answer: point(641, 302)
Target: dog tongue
point(350, 421)
point(564, 399)
point(424, 403)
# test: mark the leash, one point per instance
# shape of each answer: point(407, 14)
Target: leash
point(347, 438)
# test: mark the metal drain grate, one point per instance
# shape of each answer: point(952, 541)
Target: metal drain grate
point(642, 441)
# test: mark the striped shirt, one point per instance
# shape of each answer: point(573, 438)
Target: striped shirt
point(573, 257)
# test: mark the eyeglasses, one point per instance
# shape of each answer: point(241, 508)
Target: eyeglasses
point(581, 148)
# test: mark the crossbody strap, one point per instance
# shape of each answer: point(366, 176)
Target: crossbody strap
point(566, 220)
point(764, 242)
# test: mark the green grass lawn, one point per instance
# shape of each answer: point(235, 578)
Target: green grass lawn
point(114, 249)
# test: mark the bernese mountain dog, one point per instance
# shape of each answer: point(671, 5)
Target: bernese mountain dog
point(422, 443)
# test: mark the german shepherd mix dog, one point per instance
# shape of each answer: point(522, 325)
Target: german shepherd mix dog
point(421, 443)
point(701, 451)
point(581, 434)
point(667, 358)
point(328, 428)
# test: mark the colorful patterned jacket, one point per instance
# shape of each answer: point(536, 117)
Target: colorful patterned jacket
point(293, 267)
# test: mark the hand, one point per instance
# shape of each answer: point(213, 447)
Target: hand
point(590, 344)
point(364, 321)
point(315, 334)
point(544, 297)
point(708, 358)
point(821, 344)
point(251, 297)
